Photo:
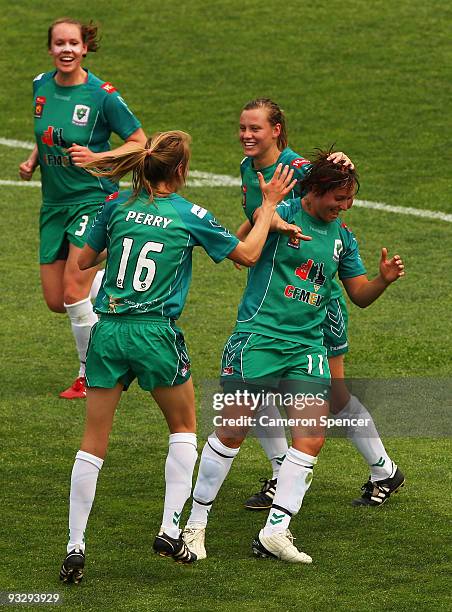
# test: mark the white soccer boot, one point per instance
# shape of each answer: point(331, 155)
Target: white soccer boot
point(279, 546)
point(194, 537)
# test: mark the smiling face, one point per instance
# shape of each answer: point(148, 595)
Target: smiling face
point(67, 49)
point(328, 206)
point(259, 137)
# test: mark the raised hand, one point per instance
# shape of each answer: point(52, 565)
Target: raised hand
point(392, 269)
point(278, 186)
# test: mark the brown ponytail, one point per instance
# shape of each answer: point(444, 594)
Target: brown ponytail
point(157, 163)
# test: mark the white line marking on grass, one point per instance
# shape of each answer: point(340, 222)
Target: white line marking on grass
point(404, 210)
point(208, 179)
point(17, 144)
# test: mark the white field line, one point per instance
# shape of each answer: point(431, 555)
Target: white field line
point(207, 179)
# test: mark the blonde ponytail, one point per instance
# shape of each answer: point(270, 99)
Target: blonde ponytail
point(157, 163)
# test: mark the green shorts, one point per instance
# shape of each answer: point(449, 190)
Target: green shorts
point(335, 327)
point(124, 347)
point(264, 361)
point(61, 225)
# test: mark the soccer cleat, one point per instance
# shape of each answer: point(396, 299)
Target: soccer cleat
point(376, 493)
point(72, 567)
point(264, 498)
point(173, 547)
point(278, 546)
point(194, 537)
point(76, 391)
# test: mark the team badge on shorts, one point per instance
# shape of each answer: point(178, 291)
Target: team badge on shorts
point(80, 115)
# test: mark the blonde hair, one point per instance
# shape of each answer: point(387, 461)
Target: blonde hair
point(157, 162)
point(88, 32)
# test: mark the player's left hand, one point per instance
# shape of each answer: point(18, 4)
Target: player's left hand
point(392, 269)
point(81, 155)
point(340, 158)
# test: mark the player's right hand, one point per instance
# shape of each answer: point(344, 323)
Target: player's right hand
point(278, 186)
point(294, 232)
point(26, 170)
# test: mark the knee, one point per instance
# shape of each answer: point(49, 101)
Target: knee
point(310, 446)
point(230, 442)
point(74, 293)
point(55, 305)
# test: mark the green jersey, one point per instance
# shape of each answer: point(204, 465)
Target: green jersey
point(290, 286)
point(252, 195)
point(251, 192)
point(149, 263)
point(84, 114)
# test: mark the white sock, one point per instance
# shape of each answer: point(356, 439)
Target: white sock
point(216, 461)
point(83, 489)
point(97, 282)
point(294, 480)
point(82, 319)
point(367, 440)
point(180, 463)
point(272, 439)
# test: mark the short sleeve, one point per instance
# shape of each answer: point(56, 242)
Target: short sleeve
point(119, 117)
point(287, 209)
point(350, 262)
point(206, 231)
point(97, 237)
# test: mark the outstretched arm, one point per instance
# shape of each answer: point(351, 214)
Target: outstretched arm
point(247, 252)
point(363, 292)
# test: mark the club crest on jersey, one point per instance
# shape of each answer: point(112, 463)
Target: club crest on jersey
point(338, 248)
point(39, 106)
point(80, 115)
point(228, 371)
point(294, 243)
point(108, 87)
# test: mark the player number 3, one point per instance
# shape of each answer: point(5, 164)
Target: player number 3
point(83, 223)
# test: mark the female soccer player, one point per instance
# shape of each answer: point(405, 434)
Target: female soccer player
point(149, 235)
point(278, 344)
point(263, 135)
point(75, 113)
